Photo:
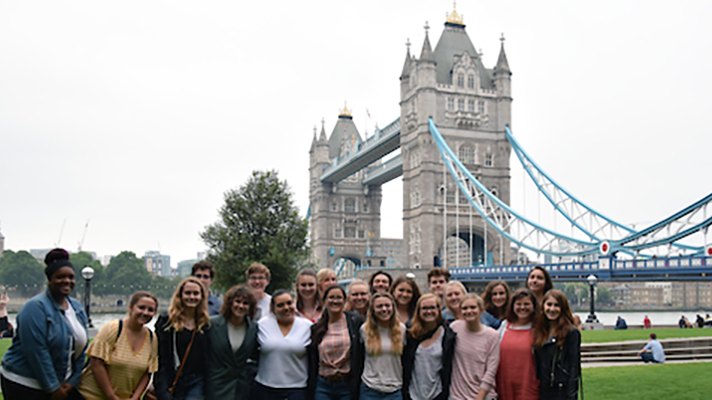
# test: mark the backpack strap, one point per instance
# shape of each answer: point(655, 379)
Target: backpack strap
point(118, 331)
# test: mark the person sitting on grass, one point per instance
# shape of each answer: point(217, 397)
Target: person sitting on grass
point(653, 351)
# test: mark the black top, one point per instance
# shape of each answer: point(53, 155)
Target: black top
point(558, 368)
point(356, 354)
point(408, 359)
point(195, 364)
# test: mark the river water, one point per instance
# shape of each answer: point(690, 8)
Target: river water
point(608, 318)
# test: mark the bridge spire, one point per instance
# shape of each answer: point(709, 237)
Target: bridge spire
point(502, 64)
point(454, 18)
point(406, 65)
point(427, 53)
point(322, 135)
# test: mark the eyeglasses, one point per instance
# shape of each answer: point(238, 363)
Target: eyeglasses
point(200, 276)
point(335, 298)
point(257, 278)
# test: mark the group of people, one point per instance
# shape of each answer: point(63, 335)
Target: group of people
point(381, 339)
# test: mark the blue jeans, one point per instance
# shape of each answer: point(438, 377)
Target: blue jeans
point(326, 390)
point(369, 394)
point(194, 388)
point(648, 357)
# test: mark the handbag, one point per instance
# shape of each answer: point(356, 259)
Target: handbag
point(182, 363)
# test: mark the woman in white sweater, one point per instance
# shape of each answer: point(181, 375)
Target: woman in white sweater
point(283, 339)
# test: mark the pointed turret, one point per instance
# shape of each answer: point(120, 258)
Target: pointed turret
point(322, 135)
point(427, 53)
point(313, 143)
point(502, 64)
point(406, 65)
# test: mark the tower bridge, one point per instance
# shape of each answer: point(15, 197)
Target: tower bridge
point(455, 143)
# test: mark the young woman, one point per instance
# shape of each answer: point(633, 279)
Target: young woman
point(325, 278)
point(283, 339)
point(183, 330)
point(476, 353)
point(359, 298)
point(406, 293)
point(233, 339)
point(557, 349)
point(308, 302)
point(516, 376)
point(454, 292)
point(123, 355)
point(496, 298)
point(335, 352)
point(47, 354)
point(539, 282)
point(383, 336)
point(428, 353)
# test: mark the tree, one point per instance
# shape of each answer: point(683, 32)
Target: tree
point(258, 222)
point(98, 282)
point(603, 296)
point(126, 273)
point(23, 271)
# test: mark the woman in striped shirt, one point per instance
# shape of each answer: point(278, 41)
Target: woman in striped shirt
point(123, 355)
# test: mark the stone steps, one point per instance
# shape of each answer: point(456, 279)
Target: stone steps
point(682, 349)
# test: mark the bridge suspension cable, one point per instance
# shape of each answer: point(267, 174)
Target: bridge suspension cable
point(502, 218)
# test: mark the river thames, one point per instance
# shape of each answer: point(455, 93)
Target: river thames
point(608, 318)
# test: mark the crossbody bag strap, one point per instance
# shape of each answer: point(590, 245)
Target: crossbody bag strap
point(182, 363)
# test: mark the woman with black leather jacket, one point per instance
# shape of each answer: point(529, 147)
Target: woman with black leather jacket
point(333, 372)
point(557, 349)
point(429, 342)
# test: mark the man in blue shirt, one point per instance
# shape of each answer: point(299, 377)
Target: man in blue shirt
point(204, 271)
point(653, 351)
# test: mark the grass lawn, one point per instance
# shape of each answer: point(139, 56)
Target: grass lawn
point(648, 382)
point(641, 334)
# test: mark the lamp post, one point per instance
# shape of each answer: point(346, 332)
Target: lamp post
point(592, 316)
point(87, 274)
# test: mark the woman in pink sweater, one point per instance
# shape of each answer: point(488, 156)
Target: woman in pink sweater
point(476, 353)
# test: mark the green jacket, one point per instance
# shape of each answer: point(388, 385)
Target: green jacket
point(228, 371)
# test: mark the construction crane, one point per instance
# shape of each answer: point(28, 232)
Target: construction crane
point(84, 235)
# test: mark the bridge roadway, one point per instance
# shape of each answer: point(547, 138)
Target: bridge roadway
point(606, 268)
point(382, 143)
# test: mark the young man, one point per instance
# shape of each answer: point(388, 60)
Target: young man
point(258, 277)
point(437, 279)
point(653, 351)
point(203, 270)
point(380, 282)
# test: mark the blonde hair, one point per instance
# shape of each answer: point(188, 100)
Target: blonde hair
point(417, 327)
point(175, 311)
point(373, 336)
point(476, 298)
point(461, 286)
point(355, 282)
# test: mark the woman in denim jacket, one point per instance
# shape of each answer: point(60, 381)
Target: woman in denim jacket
point(47, 354)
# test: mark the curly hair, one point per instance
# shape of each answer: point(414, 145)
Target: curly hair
point(497, 312)
point(560, 326)
point(242, 292)
point(373, 336)
point(175, 311)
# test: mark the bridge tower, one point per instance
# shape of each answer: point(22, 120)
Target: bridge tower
point(471, 105)
point(345, 216)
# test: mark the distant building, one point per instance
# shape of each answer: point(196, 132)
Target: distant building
point(185, 267)
point(692, 295)
point(393, 252)
point(157, 263)
point(458, 253)
point(39, 254)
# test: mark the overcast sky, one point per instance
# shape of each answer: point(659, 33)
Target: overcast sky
point(138, 115)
